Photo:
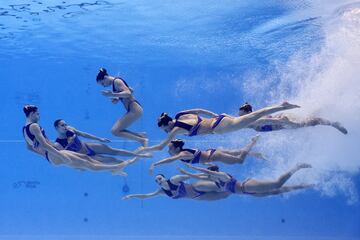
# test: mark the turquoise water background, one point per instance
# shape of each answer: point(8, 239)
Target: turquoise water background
point(179, 55)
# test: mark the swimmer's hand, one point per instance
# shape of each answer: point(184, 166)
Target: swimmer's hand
point(104, 140)
point(127, 197)
point(107, 93)
point(181, 170)
point(139, 150)
point(151, 169)
point(115, 100)
point(144, 155)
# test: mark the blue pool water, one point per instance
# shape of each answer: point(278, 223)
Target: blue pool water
point(179, 55)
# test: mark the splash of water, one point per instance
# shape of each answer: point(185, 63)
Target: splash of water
point(325, 84)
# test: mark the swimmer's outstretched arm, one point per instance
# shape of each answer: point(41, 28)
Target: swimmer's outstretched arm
point(165, 160)
point(158, 147)
point(88, 135)
point(220, 175)
point(179, 178)
point(199, 176)
point(202, 112)
point(144, 196)
point(35, 129)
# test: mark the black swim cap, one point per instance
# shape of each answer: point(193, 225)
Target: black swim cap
point(164, 119)
point(101, 74)
point(178, 143)
point(213, 168)
point(29, 109)
point(246, 107)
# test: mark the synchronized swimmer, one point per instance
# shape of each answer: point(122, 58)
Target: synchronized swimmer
point(211, 184)
point(216, 185)
point(282, 121)
point(68, 140)
point(190, 123)
point(37, 142)
point(195, 156)
point(226, 182)
point(122, 92)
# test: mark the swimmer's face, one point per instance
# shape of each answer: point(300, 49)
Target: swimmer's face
point(61, 127)
point(35, 116)
point(173, 150)
point(160, 180)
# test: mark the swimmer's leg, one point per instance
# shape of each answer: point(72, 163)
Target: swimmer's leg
point(236, 123)
point(240, 154)
point(322, 121)
point(100, 148)
point(213, 196)
point(119, 128)
point(124, 164)
point(83, 161)
point(255, 186)
point(284, 189)
point(206, 186)
point(107, 159)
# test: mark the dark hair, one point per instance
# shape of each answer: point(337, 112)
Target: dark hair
point(160, 174)
point(214, 168)
point(56, 123)
point(178, 143)
point(101, 74)
point(246, 107)
point(164, 119)
point(29, 109)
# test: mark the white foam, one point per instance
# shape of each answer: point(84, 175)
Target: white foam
point(326, 84)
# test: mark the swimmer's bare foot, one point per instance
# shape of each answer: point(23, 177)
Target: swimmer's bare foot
point(144, 155)
point(119, 172)
point(254, 139)
point(142, 134)
point(339, 127)
point(303, 165)
point(258, 155)
point(287, 105)
point(144, 142)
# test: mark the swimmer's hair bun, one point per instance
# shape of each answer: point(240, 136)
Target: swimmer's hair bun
point(164, 119)
point(246, 107)
point(101, 74)
point(178, 143)
point(29, 109)
point(213, 168)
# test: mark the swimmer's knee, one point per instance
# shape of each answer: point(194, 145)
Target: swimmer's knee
point(115, 131)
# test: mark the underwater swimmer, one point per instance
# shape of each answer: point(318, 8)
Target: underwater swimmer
point(195, 156)
point(176, 188)
point(37, 142)
point(281, 121)
point(190, 123)
point(68, 139)
point(122, 92)
point(226, 182)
